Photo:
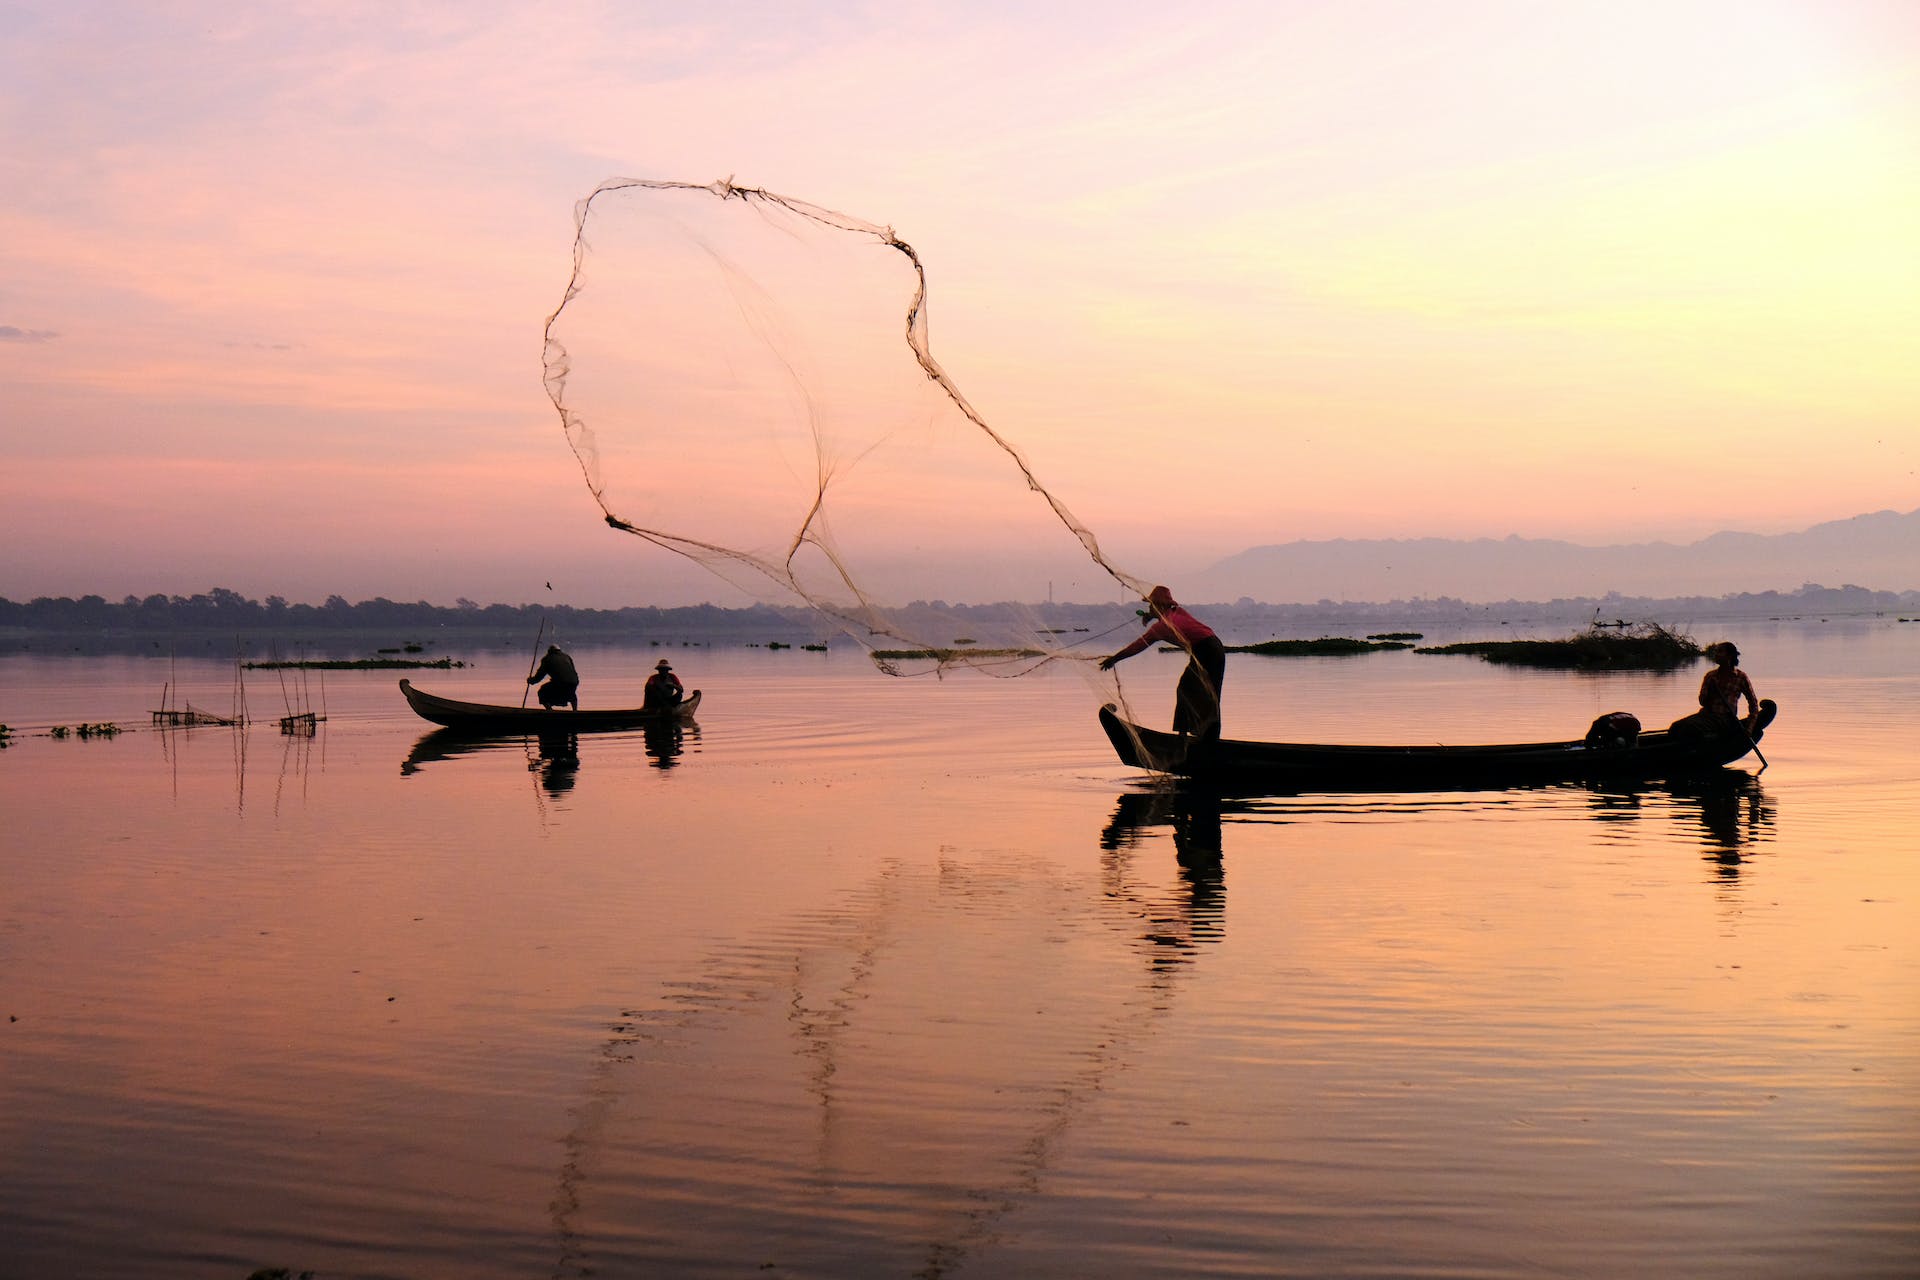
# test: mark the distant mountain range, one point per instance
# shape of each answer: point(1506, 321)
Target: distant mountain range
point(1881, 550)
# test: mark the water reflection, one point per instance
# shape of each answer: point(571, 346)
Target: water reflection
point(301, 751)
point(844, 1063)
point(1730, 814)
point(1194, 813)
point(1727, 813)
point(665, 742)
point(555, 757)
point(557, 763)
point(1194, 912)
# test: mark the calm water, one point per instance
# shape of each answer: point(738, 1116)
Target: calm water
point(874, 977)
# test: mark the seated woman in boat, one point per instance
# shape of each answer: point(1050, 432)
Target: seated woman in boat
point(1196, 708)
point(562, 687)
point(1720, 693)
point(663, 690)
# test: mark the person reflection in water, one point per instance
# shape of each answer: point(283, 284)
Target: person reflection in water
point(562, 687)
point(664, 690)
point(663, 742)
point(1196, 708)
point(559, 762)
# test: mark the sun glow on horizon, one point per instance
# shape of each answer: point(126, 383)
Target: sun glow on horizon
point(1228, 277)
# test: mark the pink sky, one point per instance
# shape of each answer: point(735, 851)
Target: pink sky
point(273, 279)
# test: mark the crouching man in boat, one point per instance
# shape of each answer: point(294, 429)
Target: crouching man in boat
point(562, 687)
point(663, 690)
point(1196, 707)
point(1720, 693)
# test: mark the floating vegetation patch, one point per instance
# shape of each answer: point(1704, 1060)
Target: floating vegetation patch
point(1397, 635)
point(1324, 647)
point(355, 664)
point(814, 648)
point(5, 733)
point(951, 655)
point(103, 730)
point(1645, 646)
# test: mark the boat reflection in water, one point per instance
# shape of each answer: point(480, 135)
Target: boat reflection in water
point(1732, 811)
point(1728, 813)
point(554, 756)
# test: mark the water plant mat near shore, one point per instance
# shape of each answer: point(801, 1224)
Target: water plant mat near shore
point(1324, 647)
point(1646, 646)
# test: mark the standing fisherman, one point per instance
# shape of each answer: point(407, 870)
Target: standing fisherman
point(1196, 706)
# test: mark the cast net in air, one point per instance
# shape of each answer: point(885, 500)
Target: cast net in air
point(747, 382)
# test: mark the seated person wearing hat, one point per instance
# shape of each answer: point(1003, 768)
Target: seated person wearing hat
point(664, 690)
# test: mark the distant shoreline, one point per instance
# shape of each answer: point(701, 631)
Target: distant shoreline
point(222, 620)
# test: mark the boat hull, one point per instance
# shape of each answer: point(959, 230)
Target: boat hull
point(1289, 766)
point(480, 717)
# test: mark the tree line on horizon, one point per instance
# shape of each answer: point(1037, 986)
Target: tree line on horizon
point(225, 611)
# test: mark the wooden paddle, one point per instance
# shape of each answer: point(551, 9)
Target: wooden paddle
point(535, 664)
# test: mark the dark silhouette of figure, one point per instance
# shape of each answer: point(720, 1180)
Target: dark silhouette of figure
point(664, 690)
point(559, 762)
point(664, 739)
point(562, 687)
point(1196, 707)
point(1720, 693)
point(1722, 688)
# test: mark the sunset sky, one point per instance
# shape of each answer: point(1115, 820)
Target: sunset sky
point(272, 278)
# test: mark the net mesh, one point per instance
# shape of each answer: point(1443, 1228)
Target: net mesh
point(747, 381)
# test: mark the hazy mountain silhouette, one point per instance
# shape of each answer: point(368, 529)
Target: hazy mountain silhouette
point(1881, 550)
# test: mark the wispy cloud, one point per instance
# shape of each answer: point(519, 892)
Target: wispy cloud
point(14, 333)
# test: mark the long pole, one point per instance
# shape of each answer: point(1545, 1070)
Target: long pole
point(534, 665)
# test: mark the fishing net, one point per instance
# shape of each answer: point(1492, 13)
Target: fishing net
point(747, 382)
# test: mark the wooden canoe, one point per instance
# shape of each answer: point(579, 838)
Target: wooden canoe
point(481, 717)
point(1292, 766)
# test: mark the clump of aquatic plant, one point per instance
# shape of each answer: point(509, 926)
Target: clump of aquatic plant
point(1397, 635)
point(1641, 646)
point(105, 729)
point(1324, 647)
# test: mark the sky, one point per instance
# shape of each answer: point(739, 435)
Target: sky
point(273, 278)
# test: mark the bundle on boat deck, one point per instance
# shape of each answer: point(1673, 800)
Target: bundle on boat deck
point(1655, 754)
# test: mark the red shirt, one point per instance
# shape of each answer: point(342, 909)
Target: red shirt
point(1177, 627)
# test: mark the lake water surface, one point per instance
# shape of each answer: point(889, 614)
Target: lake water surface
point(865, 976)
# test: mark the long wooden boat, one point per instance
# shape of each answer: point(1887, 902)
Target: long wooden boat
point(481, 717)
point(1290, 766)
